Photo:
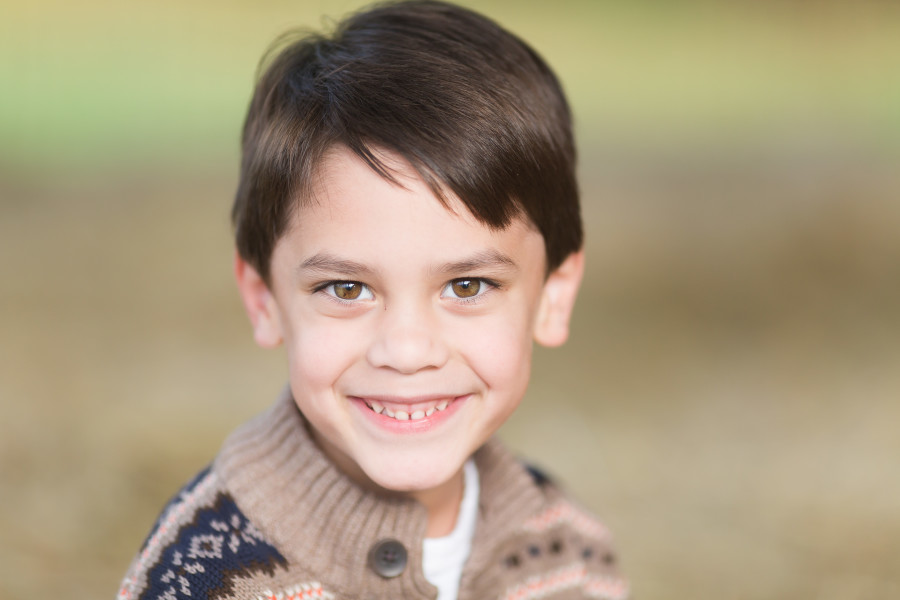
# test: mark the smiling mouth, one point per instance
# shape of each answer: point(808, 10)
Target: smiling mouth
point(406, 412)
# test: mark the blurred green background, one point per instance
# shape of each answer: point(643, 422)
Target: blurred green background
point(729, 401)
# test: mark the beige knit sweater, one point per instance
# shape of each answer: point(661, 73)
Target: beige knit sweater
point(274, 519)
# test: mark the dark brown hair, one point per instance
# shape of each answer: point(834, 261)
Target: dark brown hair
point(470, 106)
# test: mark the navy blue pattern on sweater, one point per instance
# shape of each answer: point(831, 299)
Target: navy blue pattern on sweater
point(218, 544)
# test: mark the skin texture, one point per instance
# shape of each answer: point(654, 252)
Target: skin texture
point(380, 294)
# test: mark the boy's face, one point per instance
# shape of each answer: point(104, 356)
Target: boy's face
point(408, 327)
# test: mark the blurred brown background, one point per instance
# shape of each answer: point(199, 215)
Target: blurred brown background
point(729, 401)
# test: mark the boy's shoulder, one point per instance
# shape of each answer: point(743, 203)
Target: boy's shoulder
point(199, 544)
point(548, 546)
point(272, 518)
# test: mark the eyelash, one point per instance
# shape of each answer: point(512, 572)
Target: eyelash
point(489, 284)
point(325, 286)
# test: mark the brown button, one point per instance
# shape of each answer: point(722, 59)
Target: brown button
point(387, 558)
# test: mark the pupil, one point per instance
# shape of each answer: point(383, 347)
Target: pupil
point(347, 290)
point(466, 288)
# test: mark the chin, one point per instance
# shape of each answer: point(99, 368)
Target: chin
point(419, 478)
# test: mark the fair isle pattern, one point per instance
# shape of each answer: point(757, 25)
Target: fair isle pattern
point(299, 592)
point(566, 513)
point(174, 513)
point(569, 578)
point(212, 545)
point(599, 586)
point(217, 546)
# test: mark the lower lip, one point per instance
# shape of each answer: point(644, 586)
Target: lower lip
point(410, 425)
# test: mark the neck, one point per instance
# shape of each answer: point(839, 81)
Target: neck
point(442, 503)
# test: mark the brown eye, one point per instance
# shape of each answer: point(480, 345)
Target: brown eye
point(348, 290)
point(465, 288)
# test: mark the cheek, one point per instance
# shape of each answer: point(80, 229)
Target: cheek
point(499, 351)
point(318, 352)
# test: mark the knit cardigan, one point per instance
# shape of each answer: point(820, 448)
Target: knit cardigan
point(273, 519)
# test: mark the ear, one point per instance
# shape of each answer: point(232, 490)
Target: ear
point(259, 304)
point(558, 300)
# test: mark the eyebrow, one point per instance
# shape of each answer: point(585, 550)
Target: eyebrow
point(329, 264)
point(488, 259)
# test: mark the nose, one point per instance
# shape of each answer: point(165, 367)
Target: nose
point(408, 340)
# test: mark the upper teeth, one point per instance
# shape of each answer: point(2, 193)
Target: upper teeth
point(402, 415)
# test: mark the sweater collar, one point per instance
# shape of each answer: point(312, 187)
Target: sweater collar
point(320, 518)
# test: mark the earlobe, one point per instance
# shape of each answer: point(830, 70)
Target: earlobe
point(558, 300)
point(259, 304)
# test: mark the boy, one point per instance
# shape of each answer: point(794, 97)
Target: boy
point(406, 223)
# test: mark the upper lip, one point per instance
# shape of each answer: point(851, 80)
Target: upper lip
point(393, 399)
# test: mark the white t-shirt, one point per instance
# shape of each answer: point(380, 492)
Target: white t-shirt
point(443, 558)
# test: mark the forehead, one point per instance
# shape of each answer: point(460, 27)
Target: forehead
point(351, 204)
